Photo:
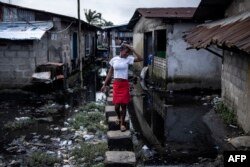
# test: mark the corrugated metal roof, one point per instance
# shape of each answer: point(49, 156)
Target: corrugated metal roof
point(184, 13)
point(24, 30)
point(166, 13)
point(232, 32)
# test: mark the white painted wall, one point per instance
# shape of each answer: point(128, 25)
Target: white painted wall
point(201, 67)
point(238, 6)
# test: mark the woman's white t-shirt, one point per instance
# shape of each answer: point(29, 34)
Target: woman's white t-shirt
point(120, 66)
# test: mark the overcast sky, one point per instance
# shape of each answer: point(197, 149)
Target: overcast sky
point(117, 11)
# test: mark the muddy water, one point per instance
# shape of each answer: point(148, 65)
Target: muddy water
point(185, 133)
point(28, 103)
point(175, 119)
point(17, 103)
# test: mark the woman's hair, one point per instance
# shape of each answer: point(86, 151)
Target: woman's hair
point(122, 46)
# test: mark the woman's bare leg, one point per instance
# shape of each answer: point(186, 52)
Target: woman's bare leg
point(117, 110)
point(123, 114)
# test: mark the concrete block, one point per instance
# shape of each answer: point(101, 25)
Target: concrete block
point(23, 53)
point(110, 100)
point(110, 111)
point(10, 54)
point(120, 158)
point(112, 123)
point(24, 67)
point(118, 140)
point(15, 47)
point(111, 94)
point(6, 61)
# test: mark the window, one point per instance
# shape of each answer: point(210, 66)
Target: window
point(87, 45)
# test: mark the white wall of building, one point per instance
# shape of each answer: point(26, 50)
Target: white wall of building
point(190, 68)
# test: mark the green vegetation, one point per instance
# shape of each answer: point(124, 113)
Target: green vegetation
point(87, 153)
point(95, 18)
point(18, 124)
point(40, 159)
point(227, 114)
point(92, 121)
point(92, 107)
point(91, 117)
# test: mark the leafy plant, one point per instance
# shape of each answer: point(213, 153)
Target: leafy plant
point(92, 106)
point(40, 159)
point(18, 124)
point(91, 121)
point(227, 114)
point(89, 152)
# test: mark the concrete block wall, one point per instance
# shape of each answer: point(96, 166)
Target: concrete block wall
point(190, 68)
point(17, 63)
point(60, 44)
point(235, 86)
point(138, 46)
point(40, 54)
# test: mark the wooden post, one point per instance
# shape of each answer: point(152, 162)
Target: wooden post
point(79, 41)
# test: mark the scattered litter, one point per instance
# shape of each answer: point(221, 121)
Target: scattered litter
point(22, 118)
point(88, 137)
point(233, 126)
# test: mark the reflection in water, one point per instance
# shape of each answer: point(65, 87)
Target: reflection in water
point(176, 121)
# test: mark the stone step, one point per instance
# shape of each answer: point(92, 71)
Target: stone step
point(112, 123)
point(110, 94)
point(111, 91)
point(120, 159)
point(110, 100)
point(118, 140)
point(110, 111)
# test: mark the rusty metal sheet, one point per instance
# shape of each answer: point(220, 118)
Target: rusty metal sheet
point(186, 13)
point(229, 32)
point(33, 30)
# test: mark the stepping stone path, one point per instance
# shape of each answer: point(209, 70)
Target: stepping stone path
point(120, 143)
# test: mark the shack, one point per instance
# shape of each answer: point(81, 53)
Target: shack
point(230, 34)
point(158, 36)
point(29, 38)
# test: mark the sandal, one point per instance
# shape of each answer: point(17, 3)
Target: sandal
point(123, 128)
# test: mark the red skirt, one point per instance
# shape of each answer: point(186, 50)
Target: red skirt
point(121, 92)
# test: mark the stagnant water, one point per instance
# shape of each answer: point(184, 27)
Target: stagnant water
point(30, 103)
point(185, 139)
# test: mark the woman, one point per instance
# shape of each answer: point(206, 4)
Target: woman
point(119, 70)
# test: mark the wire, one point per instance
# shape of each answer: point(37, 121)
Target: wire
point(63, 29)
